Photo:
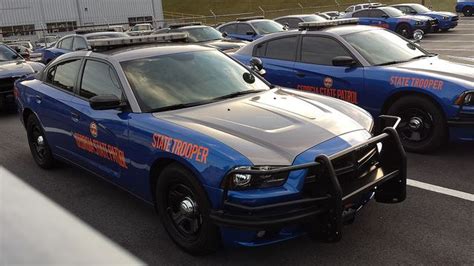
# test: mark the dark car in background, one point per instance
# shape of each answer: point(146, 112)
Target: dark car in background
point(12, 67)
point(446, 20)
point(466, 7)
point(292, 21)
point(204, 35)
point(250, 28)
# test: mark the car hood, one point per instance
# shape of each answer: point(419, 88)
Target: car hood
point(441, 69)
point(416, 17)
point(226, 44)
point(269, 128)
point(15, 69)
point(439, 14)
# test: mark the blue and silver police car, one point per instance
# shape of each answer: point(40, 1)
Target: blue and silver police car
point(223, 155)
point(465, 6)
point(446, 20)
point(395, 20)
point(377, 70)
point(250, 28)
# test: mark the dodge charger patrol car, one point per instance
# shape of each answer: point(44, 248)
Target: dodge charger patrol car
point(446, 20)
point(224, 156)
point(250, 28)
point(377, 70)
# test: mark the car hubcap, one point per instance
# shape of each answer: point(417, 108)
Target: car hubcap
point(39, 143)
point(416, 126)
point(184, 211)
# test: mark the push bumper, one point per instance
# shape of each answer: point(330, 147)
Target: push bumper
point(330, 195)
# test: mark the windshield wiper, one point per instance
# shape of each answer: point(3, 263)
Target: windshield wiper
point(391, 63)
point(422, 56)
point(179, 106)
point(237, 94)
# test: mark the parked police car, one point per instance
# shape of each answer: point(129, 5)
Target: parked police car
point(76, 42)
point(224, 156)
point(292, 21)
point(377, 70)
point(397, 21)
point(204, 35)
point(13, 67)
point(446, 20)
point(466, 7)
point(250, 28)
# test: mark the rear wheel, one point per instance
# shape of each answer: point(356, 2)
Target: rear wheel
point(423, 127)
point(467, 11)
point(39, 146)
point(404, 30)
point(184, 211)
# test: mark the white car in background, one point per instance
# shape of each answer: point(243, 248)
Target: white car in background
point(351, 9)
point(141, 29)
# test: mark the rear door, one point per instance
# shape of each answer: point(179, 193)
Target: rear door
point(52, 99)
point(316, 73)
point(278, 56)
point(100, 136)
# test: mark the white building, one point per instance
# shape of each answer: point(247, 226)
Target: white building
point(29, 19)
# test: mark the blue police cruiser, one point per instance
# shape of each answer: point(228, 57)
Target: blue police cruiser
point(377, 70)
point(223, 155)
point(446, 20)
point(395, 20)
point(466, 7)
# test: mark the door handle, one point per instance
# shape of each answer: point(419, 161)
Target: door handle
point(75, 116)
point(300, 74)
point(38, 99)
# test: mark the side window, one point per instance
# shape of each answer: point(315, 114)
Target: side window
point(66, 44)
point(377, 13)
point(283, 21)
point(260, 50)
point(358, 8)
point(361, 14)
point(321, 50)
point(293, 23)
point(350, 9)
point(243, 28)
point(231, 29)
point(282, 49)
point(64, 74)
point(79, 44)
point(99, 79)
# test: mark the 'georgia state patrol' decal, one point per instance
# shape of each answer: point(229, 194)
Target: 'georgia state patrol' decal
point(100, 149)
point(181, 148)
point(327, 90)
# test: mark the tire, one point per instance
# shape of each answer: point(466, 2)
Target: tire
point(40, 149)
point(404, 30)
point(423, 127)
point(195, 234)
point(467, 11)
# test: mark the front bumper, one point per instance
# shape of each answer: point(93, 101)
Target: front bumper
point(325, 201)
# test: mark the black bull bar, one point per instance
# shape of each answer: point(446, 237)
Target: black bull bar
point(387, 179)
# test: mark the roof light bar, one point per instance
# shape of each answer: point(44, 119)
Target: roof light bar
point(325, 24)
point(93, 30)
point(185, 24)
point(135, 40)
point(250, 18)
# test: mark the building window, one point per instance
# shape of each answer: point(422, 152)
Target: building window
point(64, 26)
point(18, 30)
point(137, 20)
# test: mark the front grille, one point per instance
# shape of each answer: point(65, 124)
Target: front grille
point(6, 85)
point(455, 18)
point(433, 22)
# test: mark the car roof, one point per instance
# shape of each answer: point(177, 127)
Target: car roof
point(297, 16)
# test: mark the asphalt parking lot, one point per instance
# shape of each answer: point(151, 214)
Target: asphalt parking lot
point(428, 228)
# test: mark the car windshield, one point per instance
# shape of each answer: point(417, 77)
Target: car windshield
point(420, 8)
point(181, 80)
point(203, 34)
point(381, 47)
point(393, 12)
point(267, 26)
point(313, 18)
point(7, 54)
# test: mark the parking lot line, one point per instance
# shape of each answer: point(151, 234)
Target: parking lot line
point(424, 41)
point(447, 49)
point(441, 190)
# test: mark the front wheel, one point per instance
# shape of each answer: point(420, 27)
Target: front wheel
point(184, 211)
point(467, 11)
point(423, 127)
point(404, 30)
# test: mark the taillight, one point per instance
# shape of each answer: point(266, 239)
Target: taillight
point(16, 92)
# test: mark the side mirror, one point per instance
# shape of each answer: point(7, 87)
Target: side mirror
point(250, 33)
point(225, 34)
point(343, 61)
point(413, 12)
point(385, 16)
point(256, 65)
point(105, 102)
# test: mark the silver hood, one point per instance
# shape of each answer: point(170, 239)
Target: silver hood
point(18, 68)
point(269, 128)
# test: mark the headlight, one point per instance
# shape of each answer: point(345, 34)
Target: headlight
point(446, 18)
point(467, 99)
point(419, 23)
point(240, 181)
